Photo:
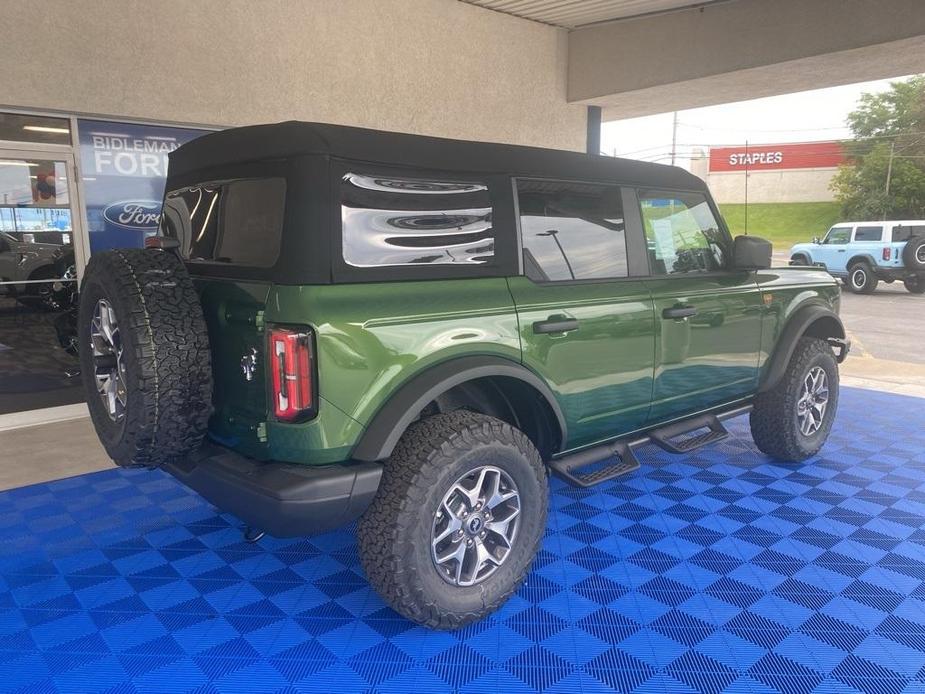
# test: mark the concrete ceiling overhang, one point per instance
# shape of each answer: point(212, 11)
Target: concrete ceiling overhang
point(640, 57)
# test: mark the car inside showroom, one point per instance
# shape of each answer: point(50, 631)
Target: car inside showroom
point(462, 346)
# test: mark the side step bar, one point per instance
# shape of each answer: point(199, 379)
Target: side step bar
point(593, 466)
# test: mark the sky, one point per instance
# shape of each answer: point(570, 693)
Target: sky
point(800, 117)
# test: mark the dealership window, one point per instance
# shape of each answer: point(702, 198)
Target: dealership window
point(123, 169)
point(869, 233)
point(230, 222)
point(398, 221)
point(838, 235)
point(682, 233)
point(46, 130)
point(571, 231)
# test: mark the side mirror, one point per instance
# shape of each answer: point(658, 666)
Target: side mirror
point(751, 253)
point(817, 240)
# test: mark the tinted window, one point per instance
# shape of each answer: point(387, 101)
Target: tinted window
point(901, 233)
point(838, 235)
point(234, 222)
point(390, 221)
point(682, 233)
point(868, 234)
point(571, 231)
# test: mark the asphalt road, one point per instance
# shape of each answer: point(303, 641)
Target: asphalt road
point(888, 324)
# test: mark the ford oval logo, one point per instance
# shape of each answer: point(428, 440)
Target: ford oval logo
point(140, 215)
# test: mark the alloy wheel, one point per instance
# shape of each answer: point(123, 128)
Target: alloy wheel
point(108, 367)
point(813, 401)
point(859, 278)
point(475, 526)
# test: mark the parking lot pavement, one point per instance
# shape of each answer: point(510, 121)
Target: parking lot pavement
point(887, 333)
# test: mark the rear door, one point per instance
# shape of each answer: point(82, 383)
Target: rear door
point(709, 316)
point(229, 233)
point(586, 323)
point(868, 241)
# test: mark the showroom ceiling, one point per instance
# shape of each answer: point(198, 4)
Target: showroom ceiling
point(572, 14)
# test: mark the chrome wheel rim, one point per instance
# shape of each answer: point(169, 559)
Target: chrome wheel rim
point(920, 254)
point(813, 401)
point(475, 526)
point(858, 278)
point(108, 367)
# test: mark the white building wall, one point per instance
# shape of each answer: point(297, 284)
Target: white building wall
point(790, 185)
point(423, 66)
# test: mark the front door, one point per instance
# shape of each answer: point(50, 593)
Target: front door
point(833, 251)
point(709, 317)
point(586, 325)
point(38, 280)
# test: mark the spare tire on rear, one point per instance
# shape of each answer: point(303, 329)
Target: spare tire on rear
point(144, 356)
point(914, 254)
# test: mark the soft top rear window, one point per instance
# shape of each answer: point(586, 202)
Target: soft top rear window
point(235, 222)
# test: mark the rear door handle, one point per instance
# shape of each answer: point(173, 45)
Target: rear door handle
point(679, 312)
point(555, 325)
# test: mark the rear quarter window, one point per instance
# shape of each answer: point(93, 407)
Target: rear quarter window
point(391, 221)
point(237, 222)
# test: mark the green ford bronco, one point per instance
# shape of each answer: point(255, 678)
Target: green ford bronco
point(336, 324)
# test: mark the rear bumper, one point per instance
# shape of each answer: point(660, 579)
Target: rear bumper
point(282, 499)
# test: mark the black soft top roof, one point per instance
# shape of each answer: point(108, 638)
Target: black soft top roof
point(295, 138)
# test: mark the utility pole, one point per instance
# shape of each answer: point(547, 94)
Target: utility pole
point(746, 187)
point(889, 176)
point(674, 137)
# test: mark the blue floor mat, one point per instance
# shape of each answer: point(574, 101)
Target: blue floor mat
point(717, 571)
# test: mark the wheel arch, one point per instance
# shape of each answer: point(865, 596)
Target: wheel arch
point(809, 321)
point(507, 389)
point(861, 258)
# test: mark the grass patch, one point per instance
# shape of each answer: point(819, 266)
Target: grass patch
point(783, 224)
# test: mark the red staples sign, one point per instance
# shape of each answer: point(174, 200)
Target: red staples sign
point(804, 155)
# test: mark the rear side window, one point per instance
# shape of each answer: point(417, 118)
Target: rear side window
point(682, 233)
point(869, 234)
point(901, 233)
point(571, 231)
point(232, 222)
point(389, 221)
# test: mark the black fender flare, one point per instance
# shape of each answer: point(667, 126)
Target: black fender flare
point(401, 409)
point(827, 325)
point(862, 257)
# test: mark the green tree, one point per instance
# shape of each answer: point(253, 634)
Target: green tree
point(887, 175)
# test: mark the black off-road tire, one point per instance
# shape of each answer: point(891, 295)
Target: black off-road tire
point(861, 279)
point(395, 532)
point(915, 284)
point(774, 424)
point(799, 260)
point(914, 254)
point(168, 371)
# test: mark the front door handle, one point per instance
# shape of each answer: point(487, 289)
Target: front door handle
point(678, 312)
point(555, 324)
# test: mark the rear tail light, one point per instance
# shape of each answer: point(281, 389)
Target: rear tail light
point(291, 361)
point(887, 253)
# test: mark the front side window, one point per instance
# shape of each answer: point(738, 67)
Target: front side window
point(869, 234)
point(682, 233)
point(390, 221)
point(234, 222)
point(571, 231)
point(838, 235)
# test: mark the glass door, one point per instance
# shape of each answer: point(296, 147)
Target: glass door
point(39, 225)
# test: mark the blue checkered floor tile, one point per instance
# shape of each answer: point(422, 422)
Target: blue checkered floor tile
point(718, 571)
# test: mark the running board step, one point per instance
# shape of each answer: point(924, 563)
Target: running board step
point(606, 462)
point(667, 437)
